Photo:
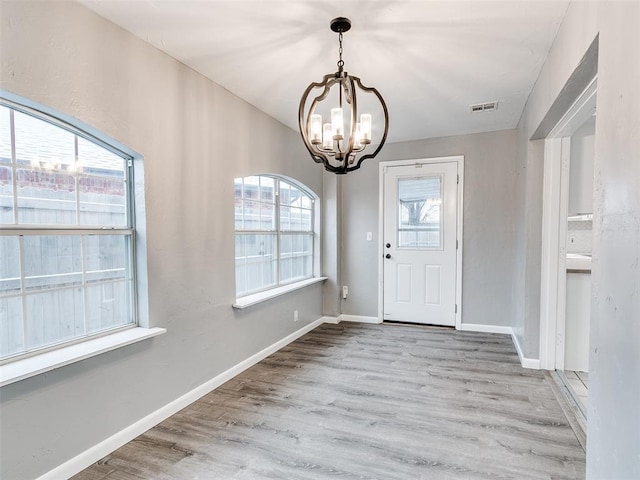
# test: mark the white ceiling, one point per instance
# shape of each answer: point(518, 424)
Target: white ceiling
point(429, 59)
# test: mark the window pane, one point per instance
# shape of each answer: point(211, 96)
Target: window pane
point(419, 212)
point(285, 193)
point(102, 185)
point(296, 250)
point(46, 183)
point(5, 135)
point(53, 316)
point(295, 219)
point(108, 306)
point(9, 265)
point(106, 257)
point(255, 210)
point(305, 220)
point(267, 216)
point(11, 330)
point(46, 197)
point(306, 202)
point(267, 188)
point(52, 261)
point(61, 179)
point(285, 219)
point(238, 202)
point(42, 145)
point(251, 215)
point(6, 195)
point(251, 188)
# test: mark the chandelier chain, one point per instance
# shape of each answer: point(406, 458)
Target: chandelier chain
point(340, 61)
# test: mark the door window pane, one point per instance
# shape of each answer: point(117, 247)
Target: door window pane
point(420, 212)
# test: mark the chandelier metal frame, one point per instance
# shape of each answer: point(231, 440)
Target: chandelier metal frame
point(345, 153)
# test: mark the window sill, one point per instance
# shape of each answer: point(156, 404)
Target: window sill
point(44, 362)
point(260, 297)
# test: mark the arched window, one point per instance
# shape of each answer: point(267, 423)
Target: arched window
point(274, 225)
point(66, 234)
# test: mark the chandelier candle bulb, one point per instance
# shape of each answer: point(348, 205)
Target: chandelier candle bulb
point(357, 137)
point(327, 136)
point(316, 129)
point(365, 127)
point(337, 123)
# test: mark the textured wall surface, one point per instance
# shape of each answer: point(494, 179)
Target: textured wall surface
point(613, 436)
point(193, 137)
point(489, 224)
point(578, 30)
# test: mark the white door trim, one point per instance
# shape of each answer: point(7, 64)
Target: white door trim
point(554, 228)
point(459, 160)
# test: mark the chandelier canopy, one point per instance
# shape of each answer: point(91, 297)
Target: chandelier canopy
point(341, 149)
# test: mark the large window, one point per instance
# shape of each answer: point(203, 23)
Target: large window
point(66, 234)
point(274, 233)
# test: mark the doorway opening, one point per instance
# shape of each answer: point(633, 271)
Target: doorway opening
point(566, 249)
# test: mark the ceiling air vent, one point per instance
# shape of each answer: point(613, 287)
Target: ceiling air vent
point(484, 107)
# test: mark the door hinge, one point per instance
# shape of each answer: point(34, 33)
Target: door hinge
point(458, 179)
point(456, 244)
point(456, 308)
point(129, 163)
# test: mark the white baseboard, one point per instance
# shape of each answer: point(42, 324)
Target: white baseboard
point(95, 453)
point(358, 319)
point(532, 363)
point(477, 327)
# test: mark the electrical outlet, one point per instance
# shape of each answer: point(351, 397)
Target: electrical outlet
point(345, 292)
point(295, 315)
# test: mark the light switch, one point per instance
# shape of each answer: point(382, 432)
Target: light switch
point(369, 236)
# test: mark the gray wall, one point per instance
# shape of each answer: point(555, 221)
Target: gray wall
point(489, 224)
point(194, 137)
point(581, 169)
point(613, 436)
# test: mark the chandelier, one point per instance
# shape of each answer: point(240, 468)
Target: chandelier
point(339, 149)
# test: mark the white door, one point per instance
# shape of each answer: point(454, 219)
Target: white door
point(419, 225)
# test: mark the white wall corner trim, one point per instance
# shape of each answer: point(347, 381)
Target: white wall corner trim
point(359, 319)
point(331, 320)
point(476, 327)
point(95, 453)
point(532, 363)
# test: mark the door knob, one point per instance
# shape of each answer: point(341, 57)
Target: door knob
point(388, 245)
point(388, 255)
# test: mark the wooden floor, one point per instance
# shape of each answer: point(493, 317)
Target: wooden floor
point(356, 401)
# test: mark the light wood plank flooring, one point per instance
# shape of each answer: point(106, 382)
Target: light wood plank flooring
point(356, 401)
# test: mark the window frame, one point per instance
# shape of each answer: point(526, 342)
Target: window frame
point(31, 361)
point(250, 297)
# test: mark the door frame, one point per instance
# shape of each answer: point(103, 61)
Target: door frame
point(555, 199)
point(459, 161)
